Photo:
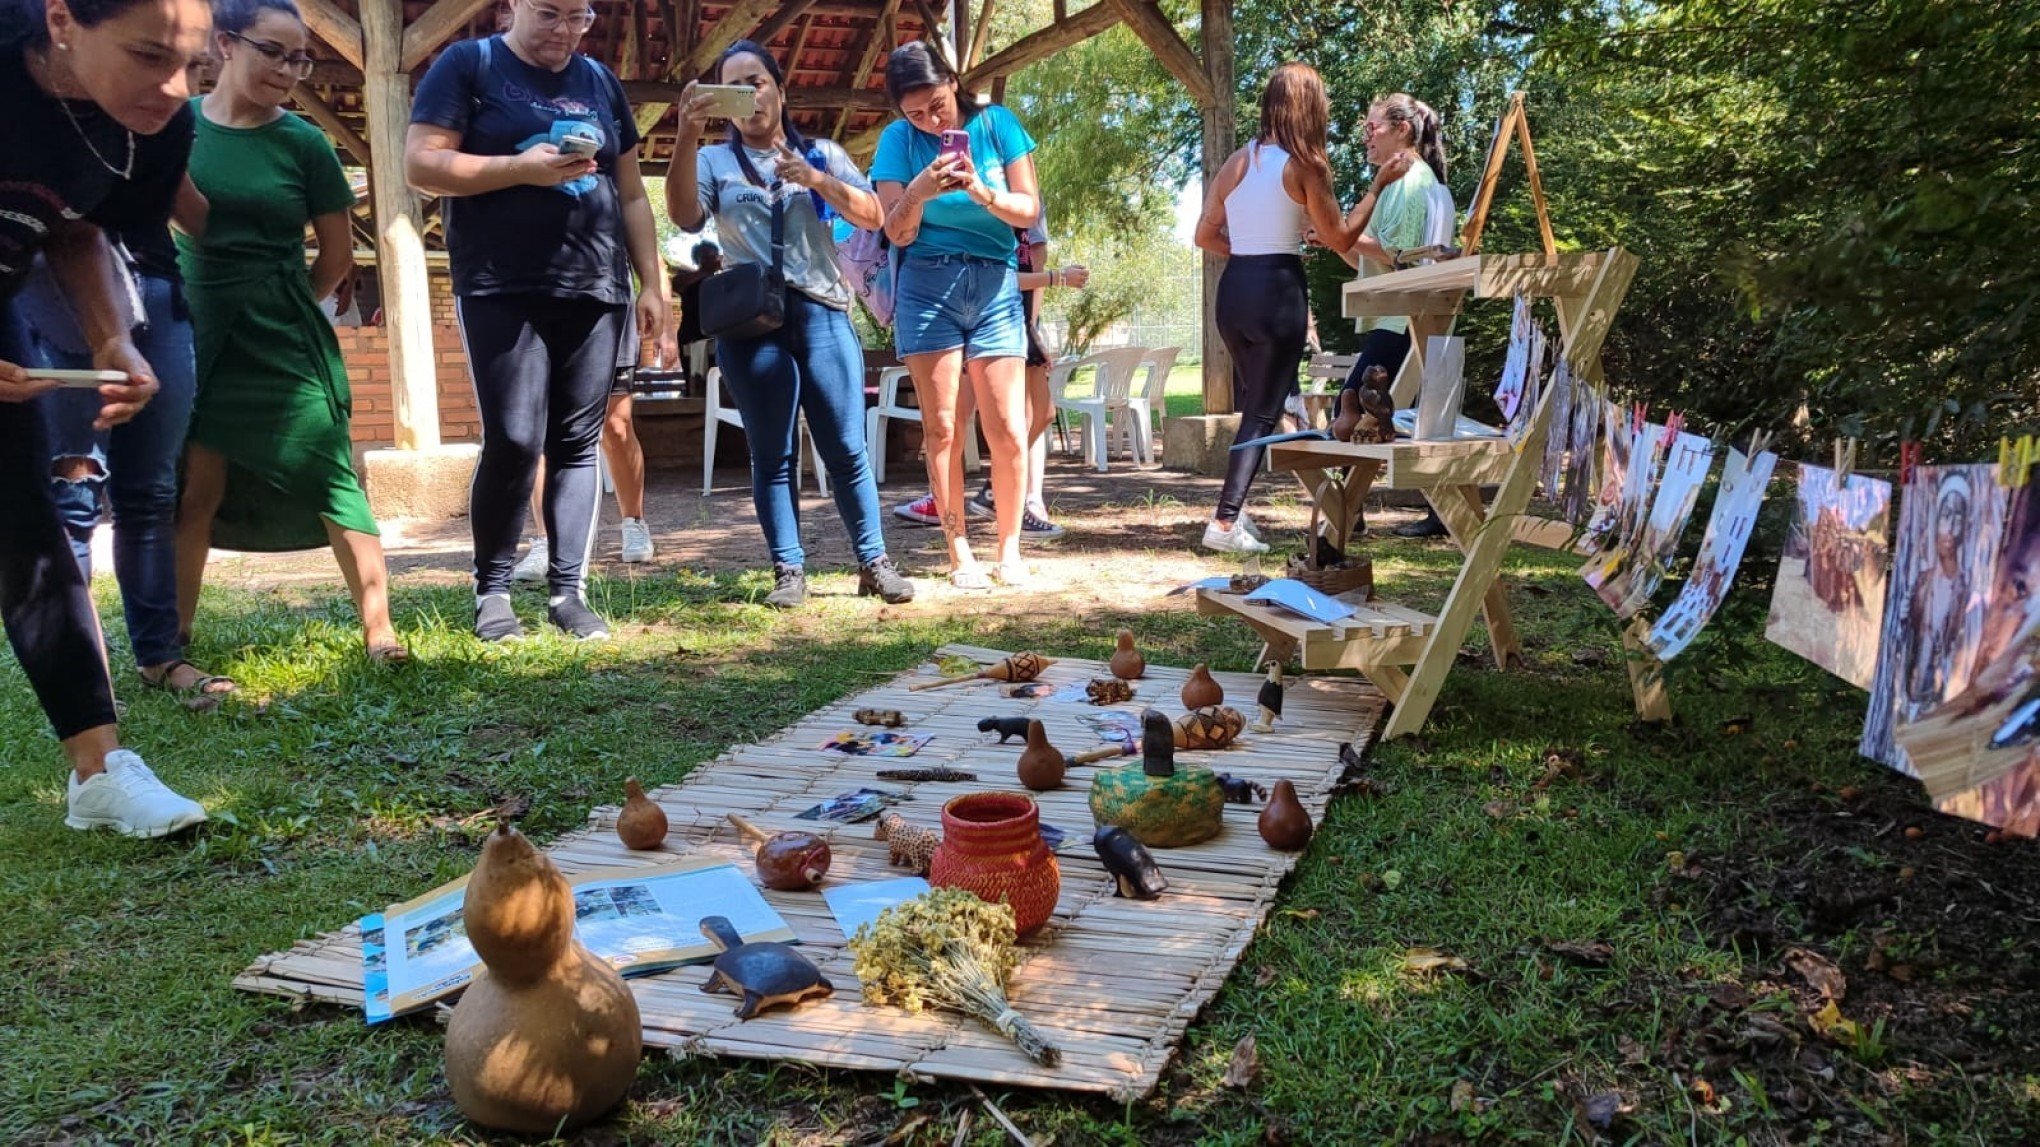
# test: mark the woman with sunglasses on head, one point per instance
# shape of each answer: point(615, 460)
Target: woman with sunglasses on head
point(956, 180)
point(89, 88)
point(812, 363)
point(1260, 204)
point(534, 149)
point(270, 463)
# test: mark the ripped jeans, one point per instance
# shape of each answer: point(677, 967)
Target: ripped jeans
point(133, 467)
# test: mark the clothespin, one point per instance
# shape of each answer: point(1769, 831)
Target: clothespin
point(1845, 460)
point(2015, 459)
point(1908, 461)
point(1758, 440)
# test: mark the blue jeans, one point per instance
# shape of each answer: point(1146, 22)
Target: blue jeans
point(812, 364)
point(951, 302)
point(136, 461)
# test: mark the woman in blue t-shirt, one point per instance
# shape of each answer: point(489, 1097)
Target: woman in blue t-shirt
point(534, 150)
point(958, 312)
point(812, 363)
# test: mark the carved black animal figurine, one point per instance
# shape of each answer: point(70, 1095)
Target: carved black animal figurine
point(1005, 727)
point(1269, 700)
point(1130, 864)
point(766, 974)
point(1240, 790)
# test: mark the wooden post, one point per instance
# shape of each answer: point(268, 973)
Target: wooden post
point(400, 228)
point(1220, 138)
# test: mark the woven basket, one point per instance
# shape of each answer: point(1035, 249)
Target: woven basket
point(992, 846)
point(1351, 574)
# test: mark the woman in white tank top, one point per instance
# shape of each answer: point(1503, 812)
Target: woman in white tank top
point(1255, 214)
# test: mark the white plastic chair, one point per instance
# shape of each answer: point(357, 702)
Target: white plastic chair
point(714, 413)
point(890, 407)
point(1110, 392)
point(1145, 405)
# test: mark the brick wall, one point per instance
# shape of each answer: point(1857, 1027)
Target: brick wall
point(366, 350)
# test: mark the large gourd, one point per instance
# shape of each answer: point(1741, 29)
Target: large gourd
point(547, 1037)
point(1163, 806)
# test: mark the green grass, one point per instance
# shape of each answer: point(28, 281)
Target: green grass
point(347, 788)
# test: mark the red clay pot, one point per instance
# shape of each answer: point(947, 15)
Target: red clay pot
point(992, 847)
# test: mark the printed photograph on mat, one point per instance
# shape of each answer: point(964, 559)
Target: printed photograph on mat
point(1629, 586)
point(1979, 754)
point(1729, 524)
point(1944, 555)
point(1828, 605)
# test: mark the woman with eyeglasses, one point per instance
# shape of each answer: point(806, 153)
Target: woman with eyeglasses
point(813, 362)
point(90, 91)
point(270, 465)
point(956, 180)
point(534, 150)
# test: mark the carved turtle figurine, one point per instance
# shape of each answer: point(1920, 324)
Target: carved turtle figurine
point(766, 974)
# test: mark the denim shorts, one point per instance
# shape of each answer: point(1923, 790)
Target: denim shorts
point(951, 302)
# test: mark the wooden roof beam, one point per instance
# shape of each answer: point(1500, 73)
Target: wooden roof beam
point(880, 41)
point(1041, 45)
point(320, 112)
point(334, 28)
point(1153, 27)
point(981, 39)
point(741, 17)
point(931, 31)
point(780, 22)
point(436, 26)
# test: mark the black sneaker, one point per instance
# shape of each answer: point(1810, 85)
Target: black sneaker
point(1429, 527)
point(979, 505)
point(1034, 527)
point(496, 621)
point(789, 587)
point(880, 578)
point(573, 618)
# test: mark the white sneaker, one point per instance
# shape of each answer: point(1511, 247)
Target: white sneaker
point(637, 540)
point(1237, 540)
point(536, 564)
point(129, 799)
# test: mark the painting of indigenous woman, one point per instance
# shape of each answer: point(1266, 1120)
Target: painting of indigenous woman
point(1828, 605)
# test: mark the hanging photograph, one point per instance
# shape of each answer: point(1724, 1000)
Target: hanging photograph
point(1628, 584)
point(1583, 471)
point(1734, 517)
point(1619, 429)
point(1828, 605)
point(1509, 392)
point(1950, 521)
point(1979, 754)
point(1558, 442)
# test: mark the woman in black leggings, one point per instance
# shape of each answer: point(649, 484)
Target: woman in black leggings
point(82, 146)
point(1256, 216)
point(546, 219)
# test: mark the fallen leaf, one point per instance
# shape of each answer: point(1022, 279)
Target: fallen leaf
point(1633, 1053)
point(1499, 810)
point(1703, 1091)
point(1819, 972)
point(1835, 1027)
point(1427, 960)
point(1737, 726)
point(1245, 1065)
point(1595, 953)
point(1302, 913)
point(1265, 975)
point(1602, 1109)
point(1903, 973)
point(1462, 1096)
point(1391, 879)
point(905, 1131)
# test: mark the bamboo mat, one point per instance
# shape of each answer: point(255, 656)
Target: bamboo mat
point(1113, 982)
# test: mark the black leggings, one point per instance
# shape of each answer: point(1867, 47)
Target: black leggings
point(1385, 349)
point(1264, 318)
point(542, 367)
point(44, 601)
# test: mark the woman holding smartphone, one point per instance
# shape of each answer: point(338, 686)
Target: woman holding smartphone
point(534, 149)
point(813, 362)
point(270, 461)
point(955, 181)
point(1259, 205)
point(88, 87)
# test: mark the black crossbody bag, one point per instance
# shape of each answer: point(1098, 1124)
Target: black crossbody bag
point(748, 301)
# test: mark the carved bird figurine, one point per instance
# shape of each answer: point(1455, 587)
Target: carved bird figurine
point(1269, 700)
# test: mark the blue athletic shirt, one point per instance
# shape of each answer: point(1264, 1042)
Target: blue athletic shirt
point(568, 241)
point(950, 223)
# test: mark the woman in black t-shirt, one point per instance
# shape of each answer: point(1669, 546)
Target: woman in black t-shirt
point(85, 85)
point(535, 151)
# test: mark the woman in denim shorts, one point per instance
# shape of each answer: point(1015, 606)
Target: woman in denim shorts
point(958, 315)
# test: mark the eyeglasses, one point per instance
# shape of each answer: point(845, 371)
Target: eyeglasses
point(548, 19)
point(299, 64)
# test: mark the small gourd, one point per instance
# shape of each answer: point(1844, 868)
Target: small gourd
point(1127, 664)
point(642, 823)
point(1041, 764)
point(1285, 823)
point(1202, 690)
point(793, 861)
point(546, 1037)
point(1162, 805)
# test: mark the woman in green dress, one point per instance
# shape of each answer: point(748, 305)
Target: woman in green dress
point(269, 466)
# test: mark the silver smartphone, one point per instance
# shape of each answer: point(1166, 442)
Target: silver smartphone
point(580, 145)
point(78, 379)
point(731, 101)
